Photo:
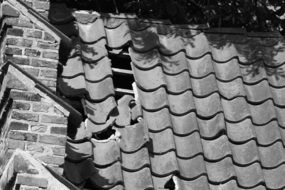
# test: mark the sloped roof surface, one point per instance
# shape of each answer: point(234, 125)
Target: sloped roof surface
point(213, 104)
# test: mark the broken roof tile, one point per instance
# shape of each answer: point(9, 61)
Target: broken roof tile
point(133, 137)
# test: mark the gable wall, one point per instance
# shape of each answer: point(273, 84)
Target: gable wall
point(35, 124)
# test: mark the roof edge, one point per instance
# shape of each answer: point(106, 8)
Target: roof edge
point(35, 17)
point(43, 90)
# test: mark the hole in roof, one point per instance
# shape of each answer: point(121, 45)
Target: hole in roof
point(172, 184)
point(106, 134)
point(123, 81)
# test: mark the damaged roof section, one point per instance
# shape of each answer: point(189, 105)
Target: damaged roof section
point(212, 101)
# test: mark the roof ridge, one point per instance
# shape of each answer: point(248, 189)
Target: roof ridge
point(205, 27)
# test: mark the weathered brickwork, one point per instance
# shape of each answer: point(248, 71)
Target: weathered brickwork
point(31, 47)
point(41, 6)
point(23, 172)
point(36, 125)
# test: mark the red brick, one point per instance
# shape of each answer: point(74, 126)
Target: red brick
point(39, 128)
point(50, 55)
point(58, 130)
point(19, 60)
point(43, 63)
point(41, 5)
point(49, 73)
point(21, 106)
point(34, 33)
point(32, 52)
point(35, 147)
point(21, 95)
point(18, 126)
point(31, 180)
point(53, 119)
point(19, 42)
point(48, 45)
point(59, 151)
point(14, 144)
point(24, 136)
point(13, 51)
point(15, 32)
point(25, 116)
point(40, 107)
point(52, 139)
point(18, 22)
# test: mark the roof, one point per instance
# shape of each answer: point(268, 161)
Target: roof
point(32, 83)
point(212, 106)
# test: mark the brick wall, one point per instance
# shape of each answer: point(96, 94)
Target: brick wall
point(23, 172)
point(35, 124)
point(42, 6)
point(35, 50)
